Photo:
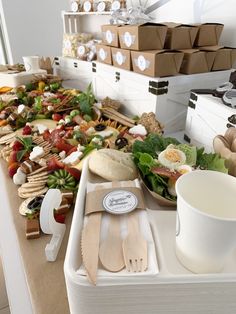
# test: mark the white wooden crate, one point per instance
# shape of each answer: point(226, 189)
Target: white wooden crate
point(167, 96)
point(75, 73)
point(207, 117)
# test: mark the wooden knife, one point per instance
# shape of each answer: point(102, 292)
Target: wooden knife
point(90, 245)
point(90, 239)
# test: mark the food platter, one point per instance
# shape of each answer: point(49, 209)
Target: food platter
point(172, 277)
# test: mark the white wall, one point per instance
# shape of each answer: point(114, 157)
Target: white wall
point(34, 26)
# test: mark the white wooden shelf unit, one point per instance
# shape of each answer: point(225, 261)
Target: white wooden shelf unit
point(84, 22)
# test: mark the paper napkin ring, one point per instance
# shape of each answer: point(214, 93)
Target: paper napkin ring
point(119, 200)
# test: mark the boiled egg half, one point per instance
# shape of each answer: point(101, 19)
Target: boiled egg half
point(172, 158)
point(183, 169)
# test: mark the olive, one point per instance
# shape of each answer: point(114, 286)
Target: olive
point(121, 142)
point(31, 204)
point(37, 204)
point(38, 198)
point(100, 127)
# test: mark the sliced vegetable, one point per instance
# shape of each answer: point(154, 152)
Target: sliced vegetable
point(61, 179)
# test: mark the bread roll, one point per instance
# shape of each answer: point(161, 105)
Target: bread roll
point(113, 165)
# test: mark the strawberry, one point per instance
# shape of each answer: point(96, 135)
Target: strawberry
point(27, 130)
point(17, 146)
point(53, 164)
point(12, 169)
point(12, 158)
point(74, 172)
point(60, 218)
point(56, 117)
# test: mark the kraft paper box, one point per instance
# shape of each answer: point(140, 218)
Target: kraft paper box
point(157, 63)
point(180, 36)
point(208, 34)
point(196, 61)
point(121, 58)
point(104, 54)
point(224, 58)
point(148, 36)
point(110, 35)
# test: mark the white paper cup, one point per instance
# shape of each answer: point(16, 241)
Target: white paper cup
point(31, 63)
point(206, 220)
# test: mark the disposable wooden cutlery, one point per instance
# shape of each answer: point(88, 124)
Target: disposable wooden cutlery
point(110, 252)
point(90, 244)
point(134, 245)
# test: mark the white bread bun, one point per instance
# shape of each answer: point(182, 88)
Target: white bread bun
point(113, 165)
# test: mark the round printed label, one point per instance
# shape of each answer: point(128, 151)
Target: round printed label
point(120, 202)
point(81, 50)
point(142, 63)
point(87, 6)
point(115, 5)
point(101, 6)
point(74, 6)
point(109, 36)
point(102, 54)
point(127, 39)
point(119, 58)
point(67, 44)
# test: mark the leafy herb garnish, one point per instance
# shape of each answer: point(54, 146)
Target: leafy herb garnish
point(28, 145)
point(85, 101)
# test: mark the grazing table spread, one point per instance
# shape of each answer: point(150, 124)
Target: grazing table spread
point(33, 285)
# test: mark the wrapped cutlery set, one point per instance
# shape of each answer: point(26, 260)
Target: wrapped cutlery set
point(116, 233)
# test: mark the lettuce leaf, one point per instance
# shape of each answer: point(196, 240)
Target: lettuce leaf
point(190, 153)
point(210, 161)
point(153, 144)
point(144, 162)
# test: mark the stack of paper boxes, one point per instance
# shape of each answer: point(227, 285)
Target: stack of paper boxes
point(165, 49)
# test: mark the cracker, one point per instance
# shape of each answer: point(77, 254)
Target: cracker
point(37, 173)
point(31, 184)
point(6, 138)
point(23, 206)
point(35, 179)
point(43, 179)
point(31, 189)
point(33, 194)
point(5, 132)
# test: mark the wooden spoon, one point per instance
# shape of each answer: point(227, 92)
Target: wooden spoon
point(110, 252)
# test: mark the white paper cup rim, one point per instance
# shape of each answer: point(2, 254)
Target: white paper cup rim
point(193, 208)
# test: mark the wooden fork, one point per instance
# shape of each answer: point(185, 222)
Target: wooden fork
point(134, 245)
